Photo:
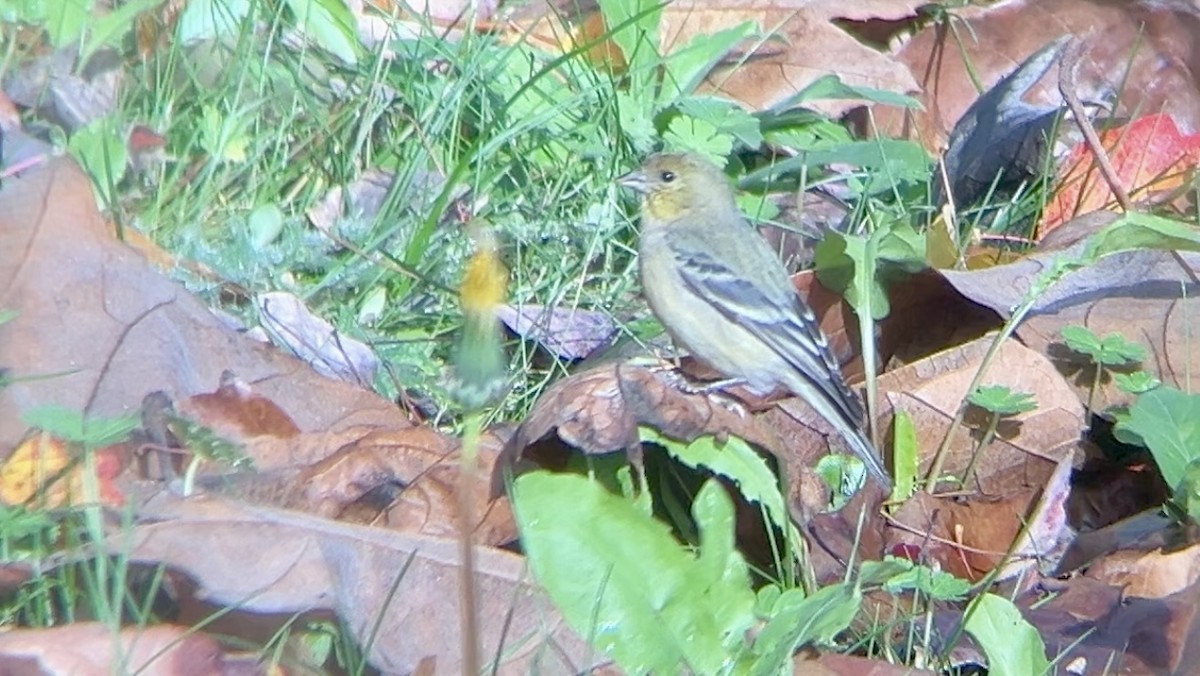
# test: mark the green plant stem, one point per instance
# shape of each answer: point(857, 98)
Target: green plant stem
point(468, 617)
point(189, 476)
point(1059, 269)
point(1006, 332)
point(865, 312)
point(866, 325)
point(988, 435)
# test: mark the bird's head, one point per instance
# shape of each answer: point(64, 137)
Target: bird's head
point(676, 185)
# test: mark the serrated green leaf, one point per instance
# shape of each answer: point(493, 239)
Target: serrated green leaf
point(936, 585)
point(1002, 400)
point(698, 136)
point(620, 577)
point(1138, 382)
point(725, 115)
point(1112, 349)
point(736, 460)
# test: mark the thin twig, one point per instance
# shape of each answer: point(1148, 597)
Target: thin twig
point(1068, 88)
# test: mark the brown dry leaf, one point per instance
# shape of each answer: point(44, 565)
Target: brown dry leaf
point(1094, 630)
point(599, 411)
point(836, 664)
point(970, 536)
point(928, 315)
point(805, 45)
point(1153, 575)
point(1144, 46)
point(233, 409)
point(1021, 477)
point(10, 117)
point(801, 42)
point(65, 91)
point(966, 538)
point(120, 330)
point(1027, 448)
point(404, 480)
point(90, 307)
point(92, 648)
point(1141, 635)
point(264, 560)
point(1105, 491)
point(1146, 296)
point(567, 333)
point(292, 326)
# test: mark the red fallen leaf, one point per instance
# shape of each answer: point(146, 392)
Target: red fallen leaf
point(48, 469)
point(1150, 156)
point(236, 411)
point(143, 139)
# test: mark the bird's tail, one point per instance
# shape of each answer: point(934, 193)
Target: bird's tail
point(866, 451)
point(839, 415)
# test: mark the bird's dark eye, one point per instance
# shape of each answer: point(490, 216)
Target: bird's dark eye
point(667, 176)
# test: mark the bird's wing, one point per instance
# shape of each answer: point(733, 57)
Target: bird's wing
point(776, 316)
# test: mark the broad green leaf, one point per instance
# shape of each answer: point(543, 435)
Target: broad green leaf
point(265, 224)
point(210, 19)
point(845, 474)
point(634, 26)
point(100, 148)
point(1138, 382)
point(1013, 646)
point(734, 459)
point(621, 579)
point(72, 426)
point(685, 68)
point(879, 572)
point(907, 456)
point(330, 25)
point(902, 160)
point(1142, 231)
point(1169, 422)
point(110, 28)
point(758, 207)
point(797, 620)
point(831, 87)
point(846, 264)
point(64, 20)
point(937, 585)
point(903, 245)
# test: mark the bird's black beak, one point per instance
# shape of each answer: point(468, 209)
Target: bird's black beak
point(635, 180)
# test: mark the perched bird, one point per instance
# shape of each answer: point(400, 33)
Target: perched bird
point(724, 295)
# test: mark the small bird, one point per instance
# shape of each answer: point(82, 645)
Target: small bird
point(724, 295)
